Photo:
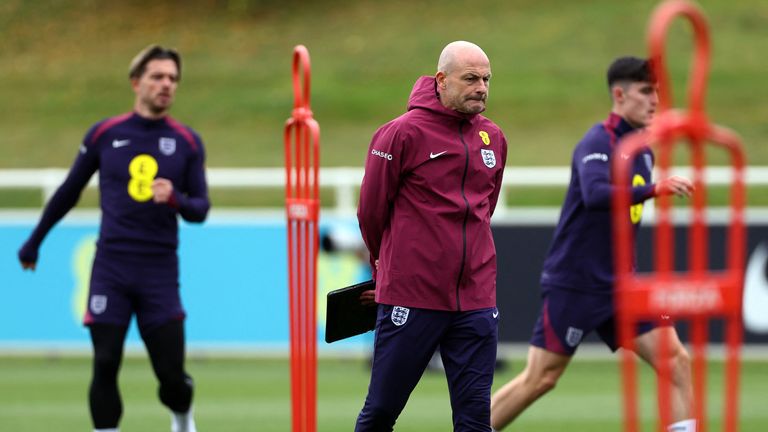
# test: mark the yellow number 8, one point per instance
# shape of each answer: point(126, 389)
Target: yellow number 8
point(143, 169)
point(636, 211)
point(484, 136)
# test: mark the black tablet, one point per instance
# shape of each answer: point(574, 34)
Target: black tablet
point(345, 315)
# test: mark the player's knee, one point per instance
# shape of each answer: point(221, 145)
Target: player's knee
point(681, 365)
point(546, 383)
point(540, 382)
point(106, 364)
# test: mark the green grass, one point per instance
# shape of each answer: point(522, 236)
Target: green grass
point(247, 394)
point(548, 60)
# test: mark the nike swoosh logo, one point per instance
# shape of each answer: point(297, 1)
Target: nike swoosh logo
point(120, 143)
point(434, 155)
point(756, 291)
point(495, 313)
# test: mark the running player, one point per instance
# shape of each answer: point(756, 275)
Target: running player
point(577, 279)
point(151, 169)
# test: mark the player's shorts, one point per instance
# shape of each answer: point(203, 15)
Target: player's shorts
point(124, 284)
point(568, 316)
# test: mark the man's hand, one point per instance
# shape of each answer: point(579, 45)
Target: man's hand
point(28, 257)
point(368, 298)
point(674, 185)
point(162, 189)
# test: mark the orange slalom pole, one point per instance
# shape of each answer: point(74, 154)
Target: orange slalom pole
point(302, 200)
point(699, 294)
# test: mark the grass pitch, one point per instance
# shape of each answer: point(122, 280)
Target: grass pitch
point(548, 57)
point(252, 394)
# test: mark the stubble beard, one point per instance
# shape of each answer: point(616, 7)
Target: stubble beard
point(158, 108)
point(473, 109)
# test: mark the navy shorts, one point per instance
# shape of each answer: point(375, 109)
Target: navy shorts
point(405, 340)
point(125, 284)
point(567, 317)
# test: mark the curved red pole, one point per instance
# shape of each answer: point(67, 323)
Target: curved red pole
point(301, 77)
point(302, 142)
point(657, 35)
point(710, 294)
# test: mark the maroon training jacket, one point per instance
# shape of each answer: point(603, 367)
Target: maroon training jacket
point(432, 178)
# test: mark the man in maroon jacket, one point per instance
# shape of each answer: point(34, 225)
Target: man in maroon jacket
point(432, 179)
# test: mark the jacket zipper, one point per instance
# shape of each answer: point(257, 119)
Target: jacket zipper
point(466, 216)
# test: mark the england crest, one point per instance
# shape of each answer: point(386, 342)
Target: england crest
point(400, 315)
point(167, 146)
point(489, 159)
point(573, 336)
point(98, 304)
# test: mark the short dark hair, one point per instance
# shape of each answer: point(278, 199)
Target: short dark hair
point(152, 52)
point(631, 69)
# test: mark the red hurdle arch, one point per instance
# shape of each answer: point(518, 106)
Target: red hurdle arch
point(302, 203)
point(700, 293)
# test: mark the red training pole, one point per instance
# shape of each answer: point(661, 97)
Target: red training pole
point(699, 294)
point(302, 204)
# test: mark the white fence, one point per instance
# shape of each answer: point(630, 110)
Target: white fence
point(345, 181)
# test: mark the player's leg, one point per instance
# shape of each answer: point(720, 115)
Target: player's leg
point(103, 395)
point(679, 361)
point(404, 342)
point(541, 373)
point(566, 317)
point(160, 316)
point(107, 316)
point(165, 345)
point(468, 350)
point(646, 346)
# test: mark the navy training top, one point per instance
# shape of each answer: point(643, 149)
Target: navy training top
point(580, 257)
point(130, 151)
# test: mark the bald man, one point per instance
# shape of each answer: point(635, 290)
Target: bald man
point(432, 179)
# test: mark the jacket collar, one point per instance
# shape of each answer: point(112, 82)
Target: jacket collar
point(618, 125)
